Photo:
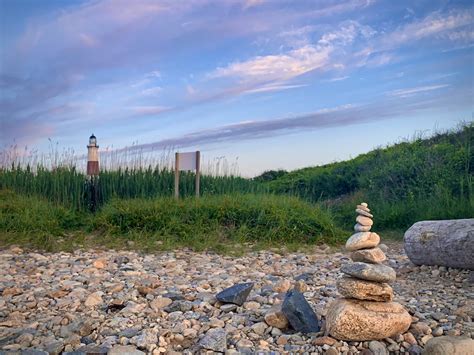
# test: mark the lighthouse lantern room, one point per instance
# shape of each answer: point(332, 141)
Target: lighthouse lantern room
point(92, 157)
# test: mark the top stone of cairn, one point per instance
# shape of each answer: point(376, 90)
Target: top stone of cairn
point(364, 218)
point(363, 239)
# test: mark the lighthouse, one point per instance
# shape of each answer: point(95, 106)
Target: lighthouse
point(92, 157)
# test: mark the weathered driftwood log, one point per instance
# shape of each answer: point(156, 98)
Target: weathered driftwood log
point(445, 243)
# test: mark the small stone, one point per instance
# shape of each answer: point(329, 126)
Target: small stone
point(54, 347)
point(100, 263)
point(331, 351)
point(373, 255)
point(160, 302)
point(350, 287)
point(301, 286)
point(360, 228)
point(425, 338)
point(94, 299)
point(244, 344)
point(25, 339)
point(190, 333)
point(420, 329)
point(93, 349)
point(282, 286)
point(282, 340)
point(125, 350)
point(229, 307)
point(236, 294)
point(364, 213)
point(12, 291)
point(299, 313)
point(449, 345)
point(370, 272)
point(365, 221)
point(324, 341)
point(363, 208)
point(252, 305)
point(378, 348)
point(409, 338)
point(215, 339)
point(259, 328)
point(216, 323)
point(275, 317)
point(362, 240)
point(437, 332)
point(415, 349)
point(146, 338)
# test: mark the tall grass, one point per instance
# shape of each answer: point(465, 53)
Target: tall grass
point(124, 174)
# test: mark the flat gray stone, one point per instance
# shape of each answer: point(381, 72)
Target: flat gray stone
point(370, 272)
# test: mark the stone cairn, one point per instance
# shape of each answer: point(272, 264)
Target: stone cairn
point(366, 312)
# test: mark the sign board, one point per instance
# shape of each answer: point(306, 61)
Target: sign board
point(187, 161)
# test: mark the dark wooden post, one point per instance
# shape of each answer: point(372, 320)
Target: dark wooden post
point(176, 176)
point(198, 173)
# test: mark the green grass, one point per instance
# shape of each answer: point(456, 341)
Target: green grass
point(227, 223)
point(419, 179)
point(66, 186)
point(415, 180)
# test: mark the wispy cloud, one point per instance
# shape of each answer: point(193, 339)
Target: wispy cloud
point(154, 91)
point(416, 90)
point(346, 115)
point(274, 87)
point(435, 24)
point(276, 67)
point(339, 78)
point(150, 110)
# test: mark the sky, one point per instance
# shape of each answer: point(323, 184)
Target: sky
point(268, 84)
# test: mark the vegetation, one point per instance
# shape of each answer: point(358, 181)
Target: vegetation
point(413, 180)
point(214, 222)
point(410, 181)
point(66, 185)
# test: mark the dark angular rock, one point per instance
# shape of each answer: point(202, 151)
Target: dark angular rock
point(236, 294)
point(299, 313)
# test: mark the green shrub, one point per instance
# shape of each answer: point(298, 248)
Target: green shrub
point(234, 217)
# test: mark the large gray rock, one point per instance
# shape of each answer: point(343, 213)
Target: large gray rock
point(446, 243)
point(449, 345)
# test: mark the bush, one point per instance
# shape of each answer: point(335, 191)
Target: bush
point(234, 217)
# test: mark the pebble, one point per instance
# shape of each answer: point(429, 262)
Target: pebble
point(47, 293)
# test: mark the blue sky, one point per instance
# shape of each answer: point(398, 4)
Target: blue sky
point(274, 84)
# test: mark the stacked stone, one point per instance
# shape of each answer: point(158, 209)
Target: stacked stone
point(367, 311)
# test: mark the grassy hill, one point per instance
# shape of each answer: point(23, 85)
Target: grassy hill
point(410, 181)
point(428, 178)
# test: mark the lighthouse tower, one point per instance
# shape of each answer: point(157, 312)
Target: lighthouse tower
point(92, 157)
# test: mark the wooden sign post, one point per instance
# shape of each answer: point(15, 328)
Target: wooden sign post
point(186, 162)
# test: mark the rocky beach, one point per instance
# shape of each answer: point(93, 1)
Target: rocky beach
point(123, 302)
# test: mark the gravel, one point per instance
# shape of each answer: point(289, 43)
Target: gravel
point(161, 303)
